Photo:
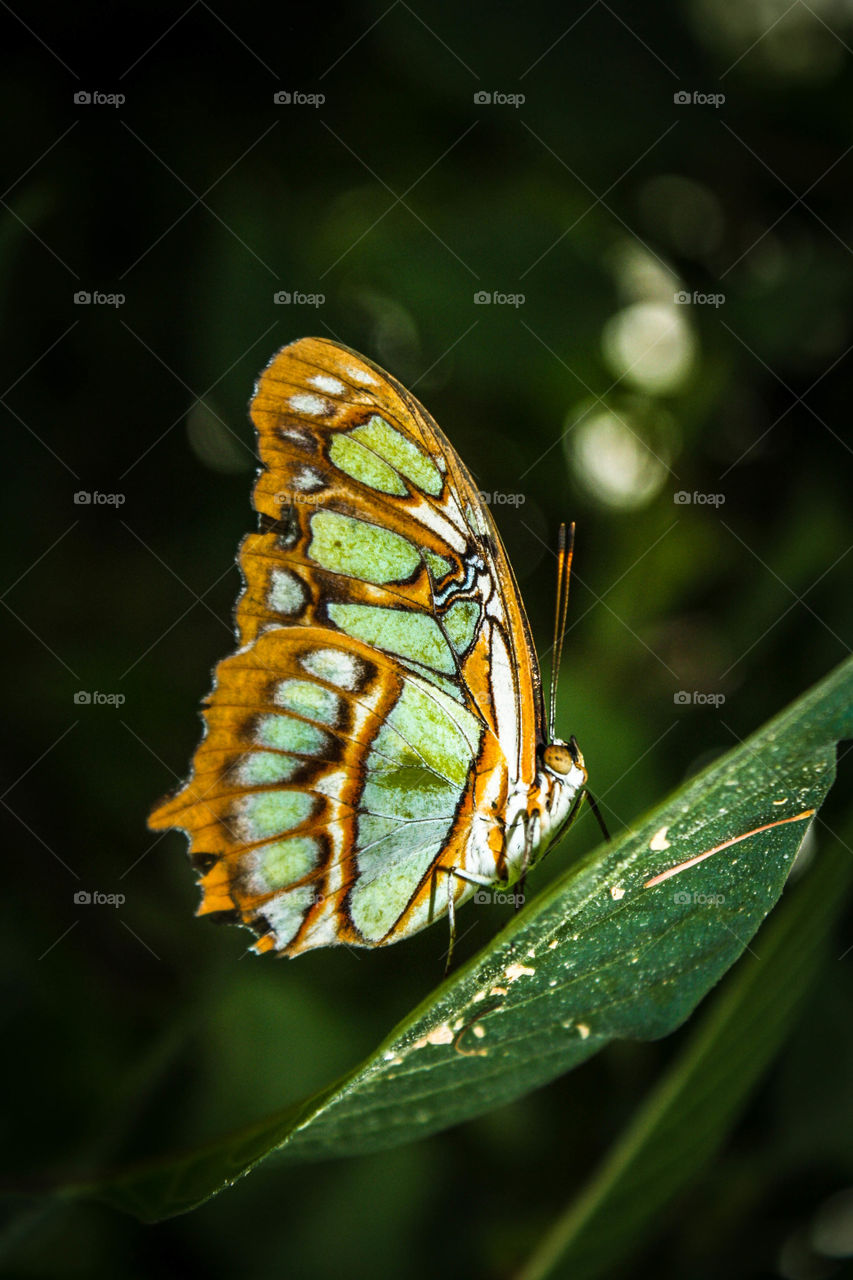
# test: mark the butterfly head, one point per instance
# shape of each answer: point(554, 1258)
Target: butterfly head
point(557, 793)
point(563, 760)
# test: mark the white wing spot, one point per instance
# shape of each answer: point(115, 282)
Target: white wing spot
point(335, 666)
point(306, 402)
point(286, 594)
point(293, 433)
point(659, 840)
point(323, 382)
point(361, 375)
point(617, 892)
point(308, 480)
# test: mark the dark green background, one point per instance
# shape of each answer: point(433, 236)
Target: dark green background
point(138, 1029)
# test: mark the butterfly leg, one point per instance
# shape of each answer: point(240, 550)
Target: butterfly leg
point(451, 909)
point(470, 878)
point(451, 917)
point(524, 819)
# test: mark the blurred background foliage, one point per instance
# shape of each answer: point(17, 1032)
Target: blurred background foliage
point(601, 397)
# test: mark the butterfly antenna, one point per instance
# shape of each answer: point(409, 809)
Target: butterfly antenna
point(565, 548)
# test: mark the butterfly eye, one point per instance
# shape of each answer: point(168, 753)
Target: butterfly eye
point(558, 758)
point(562, 757)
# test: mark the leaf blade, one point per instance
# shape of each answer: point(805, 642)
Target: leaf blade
point(563, 978)
point(692, 1108)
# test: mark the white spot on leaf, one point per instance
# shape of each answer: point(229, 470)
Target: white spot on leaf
point(659, 840)
point(438, 1035)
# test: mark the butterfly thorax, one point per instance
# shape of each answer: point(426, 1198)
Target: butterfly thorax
point(534, 816)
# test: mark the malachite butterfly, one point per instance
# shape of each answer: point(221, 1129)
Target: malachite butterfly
point(376, 749)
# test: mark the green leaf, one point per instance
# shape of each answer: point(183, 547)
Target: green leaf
point(691, 1110)
point(595, 957)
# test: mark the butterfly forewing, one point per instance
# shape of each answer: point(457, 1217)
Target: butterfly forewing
point(385, 688)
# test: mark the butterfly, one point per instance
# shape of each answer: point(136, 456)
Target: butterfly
point(376, 749)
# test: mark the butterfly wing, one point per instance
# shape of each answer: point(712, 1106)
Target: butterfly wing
point(385, 693)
